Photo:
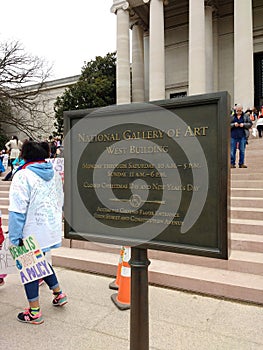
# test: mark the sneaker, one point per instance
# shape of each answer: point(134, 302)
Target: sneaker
point(242, 166)
point(2, 282)
point(233, 166)
point(60, 300)
point(27, 317)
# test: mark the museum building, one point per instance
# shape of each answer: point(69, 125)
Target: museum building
point(174, 48)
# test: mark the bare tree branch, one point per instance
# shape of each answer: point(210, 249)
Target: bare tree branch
point(21, 105)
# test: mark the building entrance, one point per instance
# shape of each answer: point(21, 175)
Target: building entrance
point(258, 80)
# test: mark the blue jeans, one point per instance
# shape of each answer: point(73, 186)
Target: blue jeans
point(32, 288)
point(242, 147)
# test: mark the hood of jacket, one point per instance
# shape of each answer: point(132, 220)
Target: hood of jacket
point(43, 170)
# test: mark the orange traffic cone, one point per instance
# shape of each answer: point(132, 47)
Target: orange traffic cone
point(115, 284)
point(123, 297)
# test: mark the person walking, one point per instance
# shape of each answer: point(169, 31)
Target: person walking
point(240, 124)
point(13, 146)
point(259, 125)
point(16, 164)
point(36, 200)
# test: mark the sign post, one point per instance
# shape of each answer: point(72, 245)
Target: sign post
point(150, 176)
point(139, 328)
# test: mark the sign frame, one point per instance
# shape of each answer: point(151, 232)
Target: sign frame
point(221, 103)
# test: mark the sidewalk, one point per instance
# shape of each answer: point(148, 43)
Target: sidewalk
point(90, 321)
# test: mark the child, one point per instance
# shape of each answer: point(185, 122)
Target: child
point(37, 188)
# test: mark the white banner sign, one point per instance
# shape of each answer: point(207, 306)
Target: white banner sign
point(58, 165)
point(5, 161)
point(30, 260)
point(7, 264)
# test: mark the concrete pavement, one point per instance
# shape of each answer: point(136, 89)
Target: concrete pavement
point(90, 321)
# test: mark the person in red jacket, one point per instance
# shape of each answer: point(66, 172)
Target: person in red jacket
point(2, 238)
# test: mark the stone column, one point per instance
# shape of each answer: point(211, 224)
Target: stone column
point(243, 53)
point(137, 63)
point(120, 8)
point(146, 66)
point(156, 51)
point(209, 48)
point(197, 66)
point(216, 52)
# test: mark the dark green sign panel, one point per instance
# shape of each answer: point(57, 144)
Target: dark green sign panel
point(150, 175)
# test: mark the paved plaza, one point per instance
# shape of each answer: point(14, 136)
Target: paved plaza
point(90, 321)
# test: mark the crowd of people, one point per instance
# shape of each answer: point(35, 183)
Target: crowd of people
point(56, 148)
point(13, 150)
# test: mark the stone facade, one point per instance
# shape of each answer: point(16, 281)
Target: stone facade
point(46, 117)
point(181, 47)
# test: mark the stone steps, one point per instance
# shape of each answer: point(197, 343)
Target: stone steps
point(247, 192)
point(247, 242)
point(245, 174)
point(247, 202)
point(240, 260)
point(3, 194)
point(246, 226)
point(202, 279)
point(247, 184)
point(220, 283)
point(240, 277)
point(4, 208)
point(246, 213)
point(4, 219)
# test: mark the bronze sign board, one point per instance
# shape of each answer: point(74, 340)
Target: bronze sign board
point(150, 175)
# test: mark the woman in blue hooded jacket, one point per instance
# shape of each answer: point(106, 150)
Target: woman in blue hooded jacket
point(36, 200)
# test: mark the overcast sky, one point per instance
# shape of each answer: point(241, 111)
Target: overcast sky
point(65, 33)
